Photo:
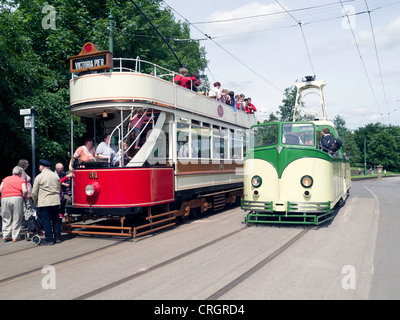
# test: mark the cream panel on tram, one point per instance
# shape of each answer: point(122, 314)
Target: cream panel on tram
point(206, 180)
point(120, 85)
point(323, 184)
point(268, 190)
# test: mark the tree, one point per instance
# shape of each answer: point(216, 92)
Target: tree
point(382, 150)
point(285, 112)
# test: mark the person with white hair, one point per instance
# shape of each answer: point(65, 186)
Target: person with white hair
point(13, 189)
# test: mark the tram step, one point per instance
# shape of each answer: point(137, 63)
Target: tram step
point(219, 201)
point(168, 221)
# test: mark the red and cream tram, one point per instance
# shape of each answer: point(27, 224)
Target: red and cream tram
point(191, 147)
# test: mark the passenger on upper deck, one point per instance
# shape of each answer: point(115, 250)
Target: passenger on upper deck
point(224, 96)
point(216, 91)
point(194, 82)
point(241, 102)
point(182, 79)
point(250, 108)
point(87, 151)
point(232, 101)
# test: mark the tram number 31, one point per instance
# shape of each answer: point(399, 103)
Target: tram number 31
point(93, 175)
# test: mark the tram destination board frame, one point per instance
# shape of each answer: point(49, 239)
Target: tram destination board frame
point(90, 59)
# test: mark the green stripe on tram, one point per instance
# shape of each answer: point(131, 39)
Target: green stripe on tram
point(287, 155)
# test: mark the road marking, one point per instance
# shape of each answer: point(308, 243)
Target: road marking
point(367, 268)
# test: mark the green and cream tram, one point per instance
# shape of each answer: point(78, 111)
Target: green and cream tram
point(287, 177)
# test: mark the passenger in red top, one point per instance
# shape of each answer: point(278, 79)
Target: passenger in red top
point(250, 108)
point(13, 189)
point(194, 83)
point(182, 79)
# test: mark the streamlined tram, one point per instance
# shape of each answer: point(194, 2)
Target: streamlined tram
point(189, 156)
point(288, 177)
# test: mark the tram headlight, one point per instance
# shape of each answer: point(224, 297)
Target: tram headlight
point(256, 181)
point(92, 189)
point(89, 190)
point(306, 181)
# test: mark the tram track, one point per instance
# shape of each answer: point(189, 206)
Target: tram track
point(157, 266)
point(257, 267)
point(33, 270)
point(83, 254)
point(107, 288)
point(217, 294)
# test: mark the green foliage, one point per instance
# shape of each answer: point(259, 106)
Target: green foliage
point(285, 112)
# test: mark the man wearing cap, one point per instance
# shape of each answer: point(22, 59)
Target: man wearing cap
point(12, 189)
point(46, 196)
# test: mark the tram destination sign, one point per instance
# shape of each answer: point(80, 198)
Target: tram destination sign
point(90, 59)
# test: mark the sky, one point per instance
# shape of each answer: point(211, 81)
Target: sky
point(260, 48)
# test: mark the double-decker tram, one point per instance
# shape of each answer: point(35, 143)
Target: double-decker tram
point(186, 157)
point(288, 177)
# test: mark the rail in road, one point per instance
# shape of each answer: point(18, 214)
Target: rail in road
point(113, 243)
point(216, 257)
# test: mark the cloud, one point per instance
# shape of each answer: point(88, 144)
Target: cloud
point(386, 38)
point(390, 37)
point(235, 26)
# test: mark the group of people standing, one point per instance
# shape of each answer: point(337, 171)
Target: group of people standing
point(46, 193)
point(238, 101)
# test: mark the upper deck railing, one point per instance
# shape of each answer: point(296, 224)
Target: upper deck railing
point(143, 66)
point(136, 81)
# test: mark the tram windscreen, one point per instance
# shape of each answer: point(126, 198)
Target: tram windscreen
point(298, 134)
point(265, 135)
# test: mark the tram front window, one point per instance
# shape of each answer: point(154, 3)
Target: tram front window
point(264, 135)
point(298, 134)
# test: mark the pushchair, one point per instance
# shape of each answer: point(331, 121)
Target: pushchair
point(35, 225)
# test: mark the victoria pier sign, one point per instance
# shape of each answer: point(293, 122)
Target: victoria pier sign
point(90, 59)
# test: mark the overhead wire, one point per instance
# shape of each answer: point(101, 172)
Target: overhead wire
point(361, 57)
point(267, 14)
point(228, 52)
point(299, 23)
point(377, 58)
point(207, 37)
point(302, 32)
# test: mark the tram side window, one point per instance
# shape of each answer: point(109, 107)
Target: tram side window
point(218, 144)
point(236, 144)
point(205, 143)
point(264, 135)
point(182, 140)
point(200, 142)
